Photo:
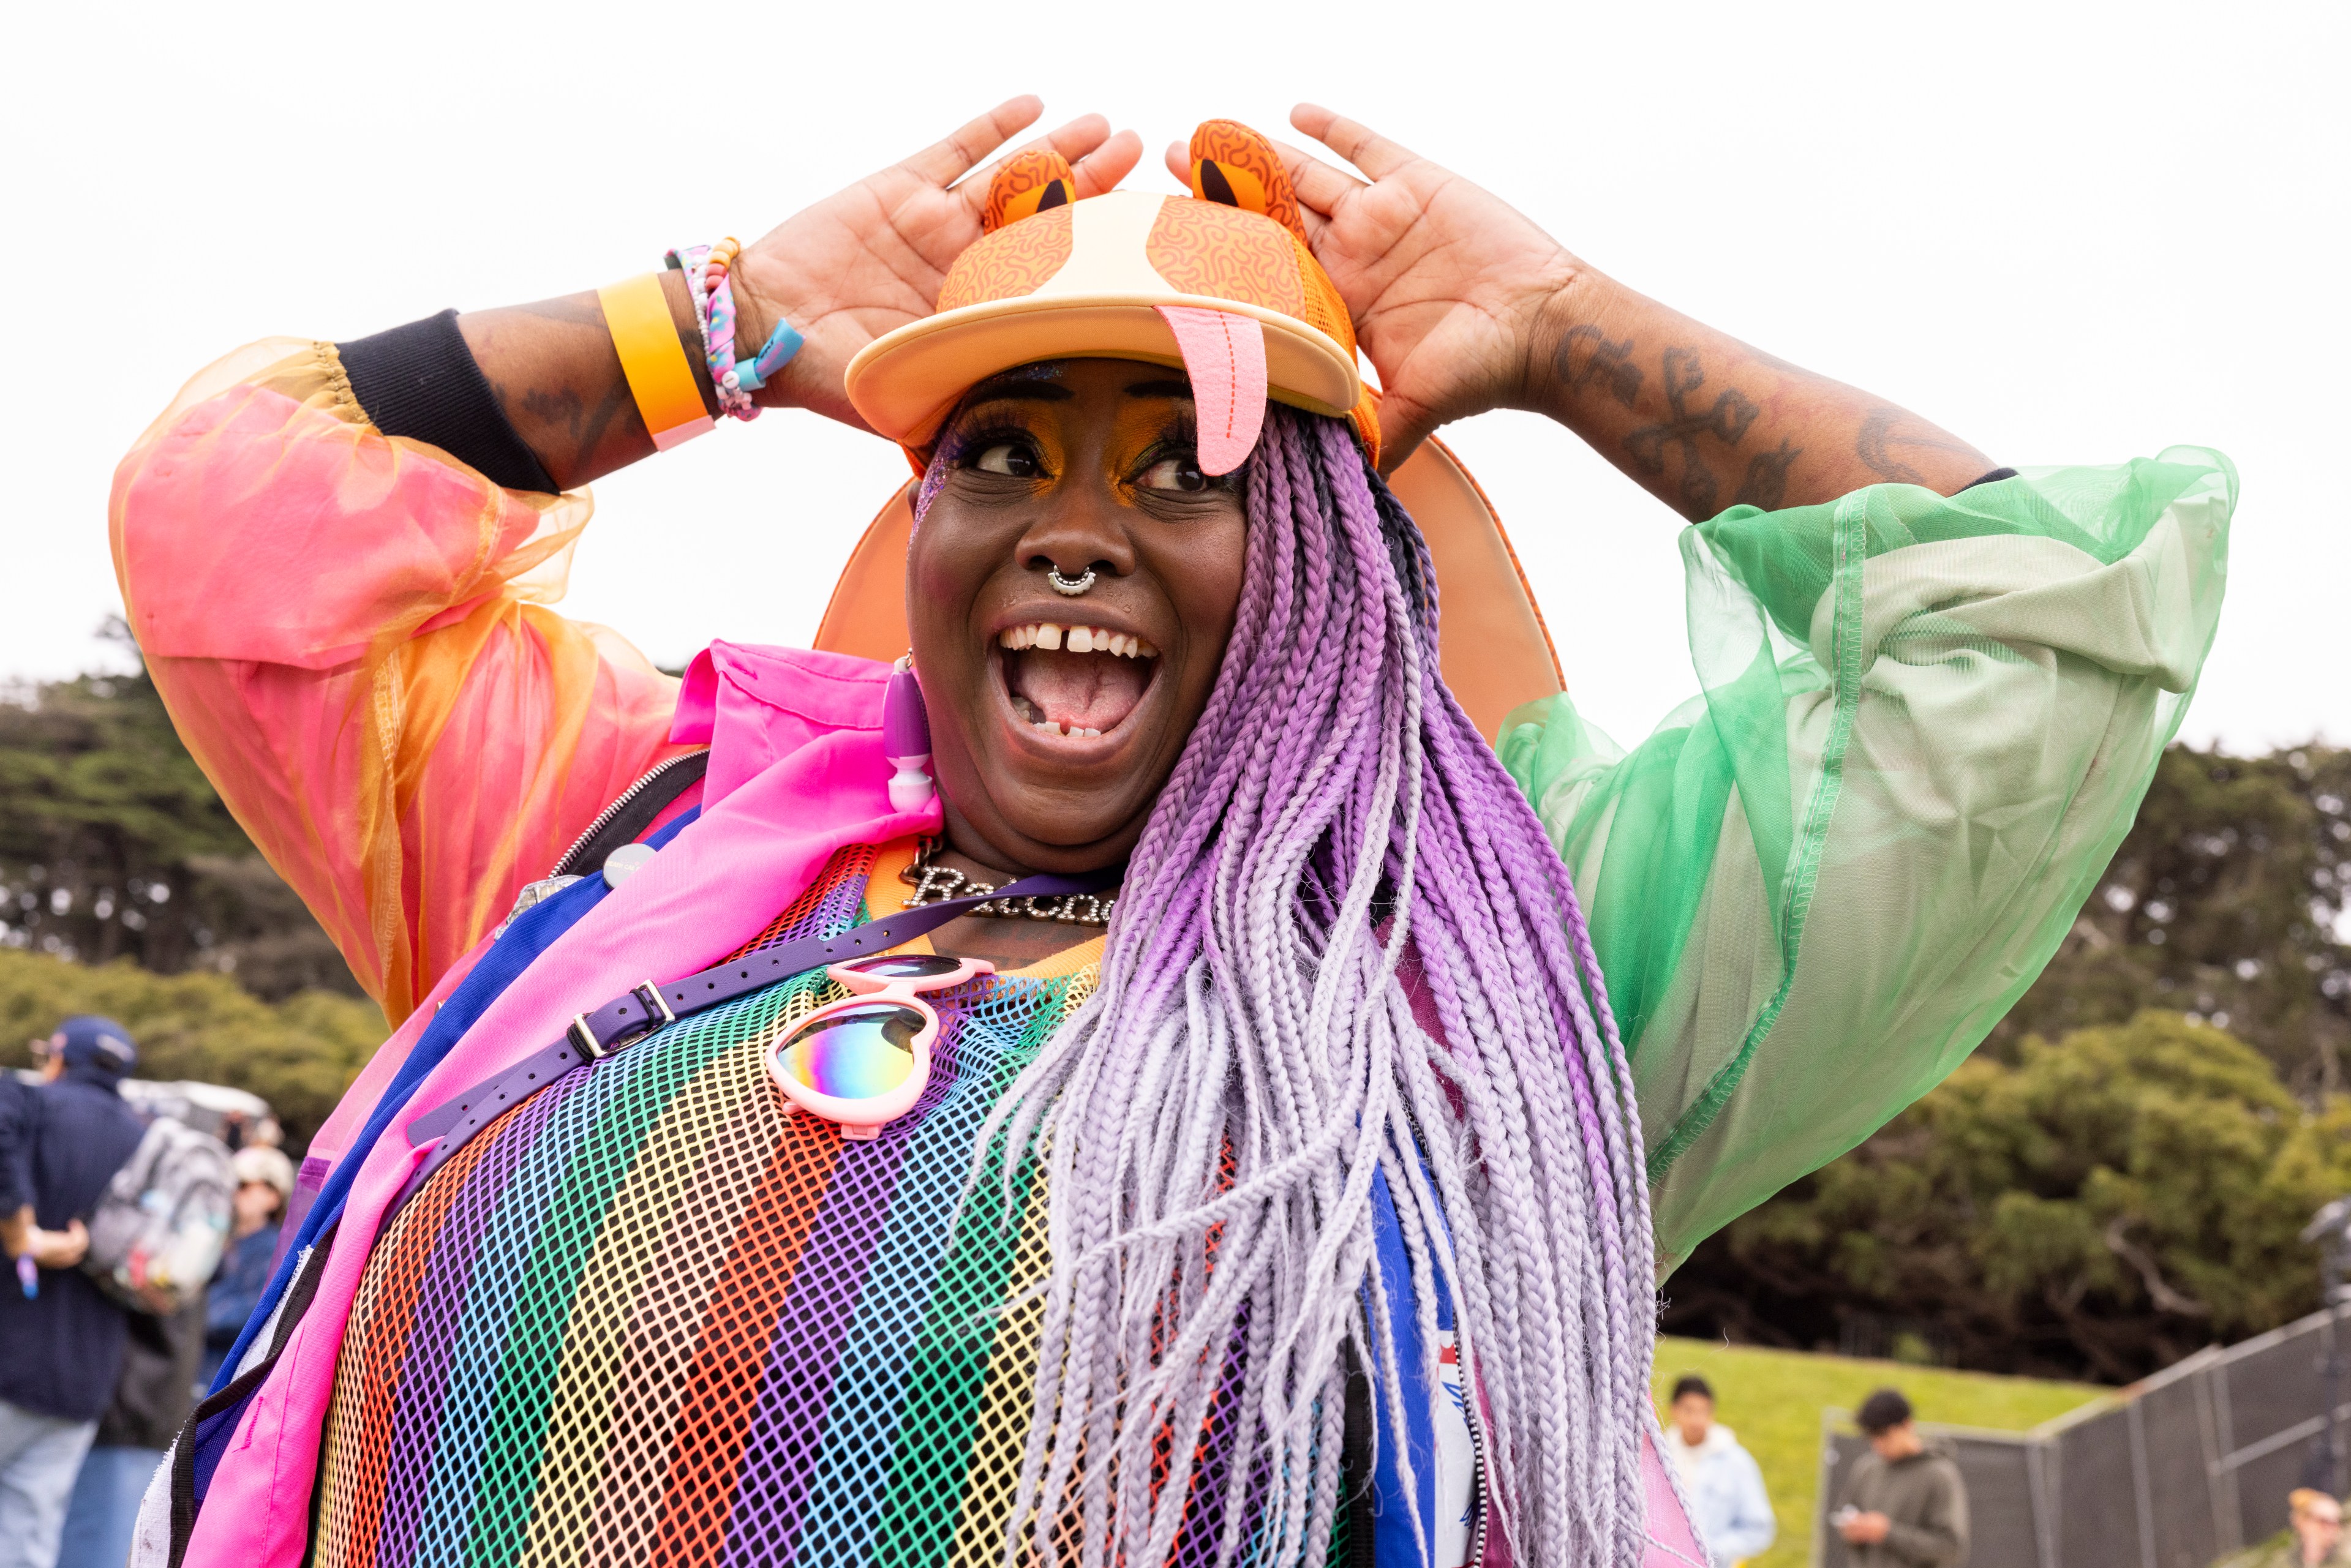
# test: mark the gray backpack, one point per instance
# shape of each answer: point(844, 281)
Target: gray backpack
point(160, 1228)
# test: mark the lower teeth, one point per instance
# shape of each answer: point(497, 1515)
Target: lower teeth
point(1029, 714)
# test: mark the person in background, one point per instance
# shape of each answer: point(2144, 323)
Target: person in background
point(152, 1398)
point(60, 1338)
point(265, 1177)
point(1903, 1505)
point(2317, 1522)
point(2313, 1535)
point(16, 1227)
point(1721, 1480)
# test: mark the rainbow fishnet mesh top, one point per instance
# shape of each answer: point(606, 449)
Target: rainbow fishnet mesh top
point(649, 1316)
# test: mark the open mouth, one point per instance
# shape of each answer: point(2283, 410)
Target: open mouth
point(1076, 681)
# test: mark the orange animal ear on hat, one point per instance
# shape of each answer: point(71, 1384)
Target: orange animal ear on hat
point(1235, 165)
point(1026, 183)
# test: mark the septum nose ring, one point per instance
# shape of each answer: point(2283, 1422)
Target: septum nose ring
point(1069, 586)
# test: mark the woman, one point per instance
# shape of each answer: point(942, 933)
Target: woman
point(264, 1180)
point(1308, 1208)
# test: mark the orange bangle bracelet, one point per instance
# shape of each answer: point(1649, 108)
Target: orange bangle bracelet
point(660, 377)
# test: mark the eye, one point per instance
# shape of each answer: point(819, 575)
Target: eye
point(1013, 457)
point(1175, 473)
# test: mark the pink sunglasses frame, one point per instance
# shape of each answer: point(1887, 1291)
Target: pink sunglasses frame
point(864, 1118)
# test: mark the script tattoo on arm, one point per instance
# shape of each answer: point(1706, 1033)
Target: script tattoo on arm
point(1886, 431)
point(1766, 484)
point(1585, 355)
point(1703, 421)
point(1726, 420)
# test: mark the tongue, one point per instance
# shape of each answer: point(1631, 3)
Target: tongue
point(1077, 691)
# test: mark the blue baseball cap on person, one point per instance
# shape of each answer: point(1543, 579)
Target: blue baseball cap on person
point(88, 1040)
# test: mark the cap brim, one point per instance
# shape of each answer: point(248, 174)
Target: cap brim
point(905, 384)
point(1494, 651)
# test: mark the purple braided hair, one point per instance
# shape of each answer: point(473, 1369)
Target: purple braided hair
point(1251, 1059)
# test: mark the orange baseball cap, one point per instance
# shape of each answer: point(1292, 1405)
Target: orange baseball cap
point(1219, 282)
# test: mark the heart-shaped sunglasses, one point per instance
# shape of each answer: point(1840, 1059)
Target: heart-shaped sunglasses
point(863, 1061)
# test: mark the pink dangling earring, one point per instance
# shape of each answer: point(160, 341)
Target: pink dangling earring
point(906, 738)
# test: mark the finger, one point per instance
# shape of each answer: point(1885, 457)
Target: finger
point(1319, 187)
point(1080, 138)
point(944, 163)
point(1399, 441)
point(1403, 425)
point(1358, 144)
point(1101, 169)
point(1076, 142)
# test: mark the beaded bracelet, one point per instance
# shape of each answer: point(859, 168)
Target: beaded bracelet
point(709, 274)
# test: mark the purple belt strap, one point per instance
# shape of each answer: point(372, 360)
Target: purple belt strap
point(643, 1008)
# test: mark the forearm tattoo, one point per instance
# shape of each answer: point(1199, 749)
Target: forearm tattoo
point(1886, 431)
point(1686, 430)
point(1766, 484)
point(554, 370)
point(1586, 356)
point(1689, 434)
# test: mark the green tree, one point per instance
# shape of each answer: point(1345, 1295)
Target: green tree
point(298, 1054)
point(114, 844)
point(2226, 903)
point(2104, 1205)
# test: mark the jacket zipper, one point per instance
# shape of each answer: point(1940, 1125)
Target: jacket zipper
point(1479, 1478)
point(619, 802)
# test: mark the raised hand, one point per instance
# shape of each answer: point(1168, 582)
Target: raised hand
point(1464, 304)
point(872, 257)
point(1445, 282)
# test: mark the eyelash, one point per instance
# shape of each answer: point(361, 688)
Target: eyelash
point(970, 446)
point(1184, 444)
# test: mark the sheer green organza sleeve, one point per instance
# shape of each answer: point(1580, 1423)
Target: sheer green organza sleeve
point(1925, 725)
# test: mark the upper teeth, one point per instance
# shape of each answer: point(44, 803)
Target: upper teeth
point(1076, 639)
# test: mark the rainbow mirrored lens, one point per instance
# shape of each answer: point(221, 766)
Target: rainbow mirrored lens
point(854, 1055)
point(904, 966)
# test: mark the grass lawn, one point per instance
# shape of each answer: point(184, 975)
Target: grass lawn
point(1773, 1399)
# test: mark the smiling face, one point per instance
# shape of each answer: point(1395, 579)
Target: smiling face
point(1055, 719)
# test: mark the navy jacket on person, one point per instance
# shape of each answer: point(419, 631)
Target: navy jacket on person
point(235, 1291)
point(60, 1353)
point(15, 1143)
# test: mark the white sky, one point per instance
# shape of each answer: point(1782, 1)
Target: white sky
point(2071, 234)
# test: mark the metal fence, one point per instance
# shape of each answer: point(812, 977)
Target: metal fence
point(2173, 1472)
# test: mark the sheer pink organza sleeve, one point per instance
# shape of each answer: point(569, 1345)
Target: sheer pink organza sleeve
point(351, 633)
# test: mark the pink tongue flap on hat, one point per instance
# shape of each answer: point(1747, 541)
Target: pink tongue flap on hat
point(1225, 356)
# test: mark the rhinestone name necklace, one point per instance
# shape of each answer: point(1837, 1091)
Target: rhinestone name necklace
point(934, 883)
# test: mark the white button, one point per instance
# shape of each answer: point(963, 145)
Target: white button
point(626, 862)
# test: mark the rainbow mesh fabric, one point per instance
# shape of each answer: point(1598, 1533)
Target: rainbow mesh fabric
point(649, 1316)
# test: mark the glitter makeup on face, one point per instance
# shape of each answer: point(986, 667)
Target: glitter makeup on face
point(934, 479)
point(950, 450)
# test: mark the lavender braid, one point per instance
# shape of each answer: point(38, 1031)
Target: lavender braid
point(1252, 1058)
